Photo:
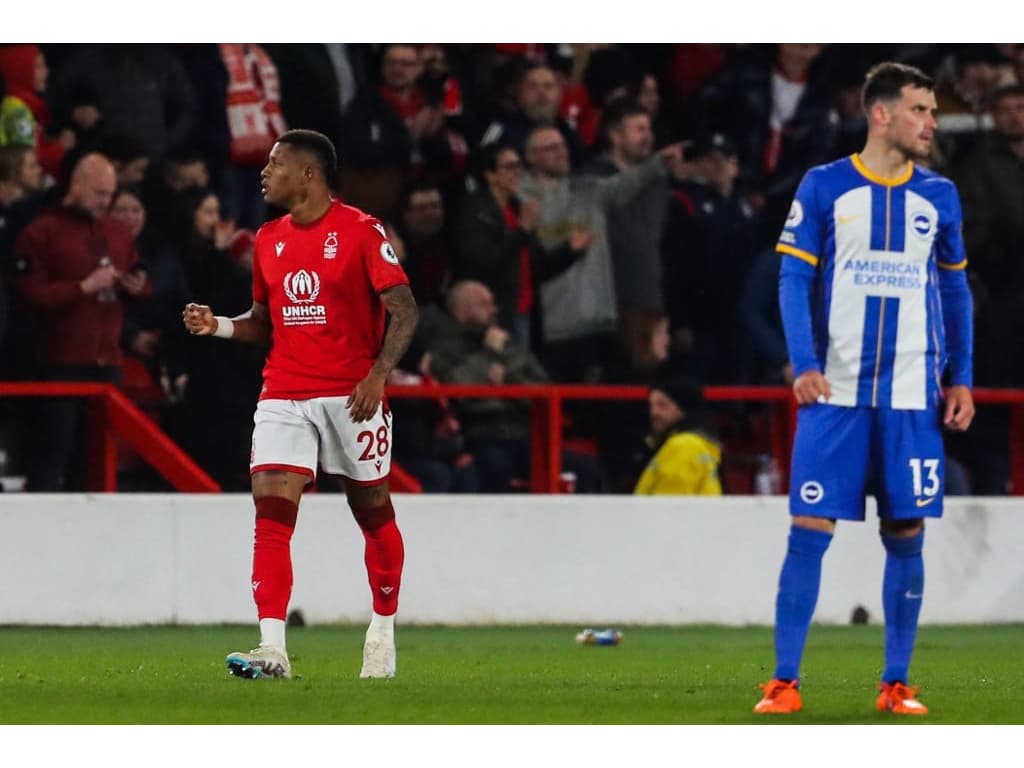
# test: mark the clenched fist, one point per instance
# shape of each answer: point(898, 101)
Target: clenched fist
point(199, 319)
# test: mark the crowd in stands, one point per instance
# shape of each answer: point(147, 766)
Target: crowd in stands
point(600, 214)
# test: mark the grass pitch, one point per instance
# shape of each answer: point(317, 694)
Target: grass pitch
point(495, 675)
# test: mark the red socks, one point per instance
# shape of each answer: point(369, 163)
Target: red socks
point(272, 561)
point(384, 555)
point(271, 556)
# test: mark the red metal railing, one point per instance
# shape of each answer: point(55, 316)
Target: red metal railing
point(111, 415)
point(546, 417)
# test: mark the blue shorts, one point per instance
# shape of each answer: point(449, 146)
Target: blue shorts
point(841, 454)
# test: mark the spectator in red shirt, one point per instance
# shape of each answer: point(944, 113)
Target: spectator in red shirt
point(74, 269)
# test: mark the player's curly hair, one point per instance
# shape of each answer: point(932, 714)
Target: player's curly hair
point(884, 81)
point(316, 144)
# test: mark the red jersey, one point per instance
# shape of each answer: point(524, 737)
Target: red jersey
point(321, 282)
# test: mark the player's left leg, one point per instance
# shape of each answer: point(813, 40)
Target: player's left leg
point(902, 593)
point(912, 463)
point(361, 454)
point(384, 556)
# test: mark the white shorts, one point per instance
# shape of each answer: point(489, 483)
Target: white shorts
point(306, 435)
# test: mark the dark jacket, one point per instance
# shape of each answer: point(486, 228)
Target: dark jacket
point(141, 91)
point(458, 356)
point(763, 342)
point(58, 250)
point(514, 128)
point(489, 252)
point(310, 94)
point(738, 102)
point(991, 184)
point(373, 135)
point(707, 249)
point(162, 312)
point(14, 341)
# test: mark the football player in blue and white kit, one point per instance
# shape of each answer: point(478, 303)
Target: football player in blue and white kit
point(876, 310)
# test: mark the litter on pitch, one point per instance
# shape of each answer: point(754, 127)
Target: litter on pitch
point(599, 637)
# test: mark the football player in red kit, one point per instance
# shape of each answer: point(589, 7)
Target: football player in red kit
point(324, 275)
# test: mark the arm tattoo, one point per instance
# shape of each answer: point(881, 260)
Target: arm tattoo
point(404, 315)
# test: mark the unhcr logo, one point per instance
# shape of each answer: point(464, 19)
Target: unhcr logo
point(302, 288)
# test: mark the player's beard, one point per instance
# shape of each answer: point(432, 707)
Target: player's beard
point(913, 151)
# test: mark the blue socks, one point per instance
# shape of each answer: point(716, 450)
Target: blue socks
point(902, 590)
point(798, 594)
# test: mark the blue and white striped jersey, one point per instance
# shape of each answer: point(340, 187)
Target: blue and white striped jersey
point(875, 245)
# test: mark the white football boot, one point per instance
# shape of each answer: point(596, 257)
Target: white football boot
point(378, 655)
point(263, 662)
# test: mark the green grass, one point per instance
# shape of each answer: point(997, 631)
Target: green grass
point(494, 675)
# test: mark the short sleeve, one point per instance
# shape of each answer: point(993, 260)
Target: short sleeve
point(382, 264)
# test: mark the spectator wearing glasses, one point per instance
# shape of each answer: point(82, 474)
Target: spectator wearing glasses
point(495, 240)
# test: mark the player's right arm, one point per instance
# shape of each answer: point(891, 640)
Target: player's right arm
point(253, 326)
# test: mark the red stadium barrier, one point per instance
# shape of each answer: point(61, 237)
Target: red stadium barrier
point(113, 415)
point(546, 415)
point(547, 423)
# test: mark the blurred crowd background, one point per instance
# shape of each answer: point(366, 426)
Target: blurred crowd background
point(578, 213)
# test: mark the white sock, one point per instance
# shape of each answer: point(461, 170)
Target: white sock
point(272, 633)
point(382, 625)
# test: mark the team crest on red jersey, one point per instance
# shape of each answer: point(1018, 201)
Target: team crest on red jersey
point(331, 245)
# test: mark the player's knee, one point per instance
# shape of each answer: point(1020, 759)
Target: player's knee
point(808, 541)
point(370, 518)
point(367, 496)
point(903, 538)
point(823, 524)
point(277, 482)
point(277, 508)
point(902, 529)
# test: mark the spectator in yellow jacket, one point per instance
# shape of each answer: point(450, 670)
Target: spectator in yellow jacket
point(686, 454)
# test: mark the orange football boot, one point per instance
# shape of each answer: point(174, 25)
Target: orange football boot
point(900, 699)
point(780, 698)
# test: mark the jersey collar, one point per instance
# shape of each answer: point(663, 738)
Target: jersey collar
point(884, 181)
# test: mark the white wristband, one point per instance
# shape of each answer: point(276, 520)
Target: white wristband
point(225, 327)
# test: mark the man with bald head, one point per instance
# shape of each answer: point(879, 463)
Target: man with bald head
point(471, 348)
point(74, 267)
